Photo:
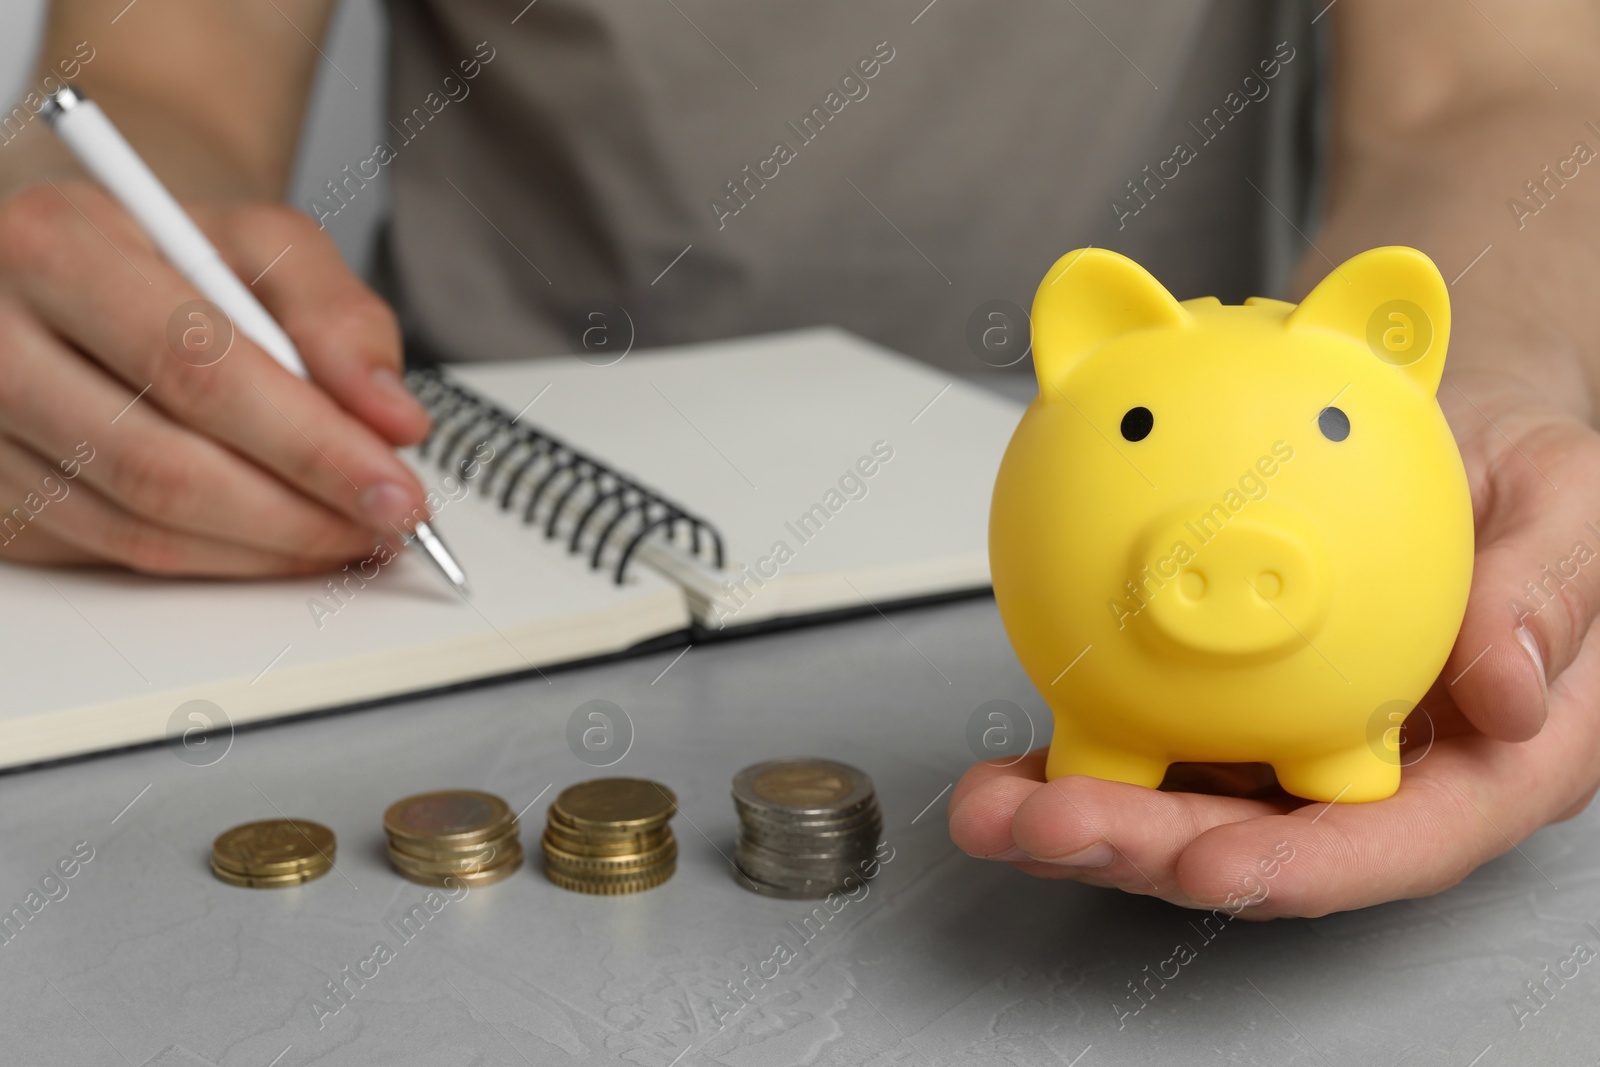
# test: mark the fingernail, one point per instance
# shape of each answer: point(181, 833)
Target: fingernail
point(1010, 855)
point(1099, 854)
point(1525, 638)
point(386, 502)
point(390, 385)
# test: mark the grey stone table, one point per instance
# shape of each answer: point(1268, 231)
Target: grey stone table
point(946, 960)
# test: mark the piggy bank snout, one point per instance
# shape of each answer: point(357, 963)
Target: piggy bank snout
point(1249, 583)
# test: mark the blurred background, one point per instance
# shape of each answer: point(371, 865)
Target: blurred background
point(341, 116)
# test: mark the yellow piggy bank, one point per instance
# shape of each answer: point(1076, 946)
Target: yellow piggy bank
point(1234, 533)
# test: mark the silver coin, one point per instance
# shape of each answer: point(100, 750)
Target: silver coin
point(761, 828)
point(778, 871)
point(860, 819)
point(801, 889)
point(782, 892)
point(808, 855)
point(807, 827)
point(803, 788)
point(855, 810)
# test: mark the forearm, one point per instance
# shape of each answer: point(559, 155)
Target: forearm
point(1443, 111)
point(1522, 282)
point(212, 95)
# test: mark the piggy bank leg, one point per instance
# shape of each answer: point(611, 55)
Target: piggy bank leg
point(1352, 776)
point(1073, 753)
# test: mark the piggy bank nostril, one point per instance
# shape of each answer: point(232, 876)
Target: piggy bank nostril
point(1269, 584)
point(1192, 584)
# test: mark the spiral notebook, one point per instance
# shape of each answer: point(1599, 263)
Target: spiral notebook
point(598, 508)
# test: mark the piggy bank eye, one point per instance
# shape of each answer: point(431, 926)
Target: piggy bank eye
point(1137, 423)
point(1334, 424)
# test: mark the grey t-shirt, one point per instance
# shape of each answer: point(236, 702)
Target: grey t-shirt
point(691, 169)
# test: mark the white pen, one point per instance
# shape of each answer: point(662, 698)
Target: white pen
point(107, 155)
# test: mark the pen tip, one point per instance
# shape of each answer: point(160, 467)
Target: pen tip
point(436, 550)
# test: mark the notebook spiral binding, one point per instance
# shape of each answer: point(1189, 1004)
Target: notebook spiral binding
point(463, 422)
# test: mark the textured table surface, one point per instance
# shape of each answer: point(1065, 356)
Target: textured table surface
point(147, 959)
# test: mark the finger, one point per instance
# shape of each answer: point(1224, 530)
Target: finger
point(92, 525)
point(1577, 807)
point(1533, 593)
point(982, 829)
point(1030, 766)
point(1463, 804)
point(118, 313)
point(980, 822)
point(348, 337)
point(38, 546)
point(65, 408)
point(1128, 836)
point(1103, 833)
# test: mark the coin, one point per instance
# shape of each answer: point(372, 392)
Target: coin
point(781, 816)
point(809, 833)
point(803, 786)
point(776, 857)
point(806, 827)
point(599, 843)
point(473, 879)
point(274, 847)
point(614, 805)
point(610, 836)
point(576, 863)
point(481, 850)
point(508, 854)
point(803, 890)
point(448, 818)
point(270, 881)
point(453, 836)
point(612, 886)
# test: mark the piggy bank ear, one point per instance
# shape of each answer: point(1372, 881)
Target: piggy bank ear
point(1392, 300)
point(1087, 298)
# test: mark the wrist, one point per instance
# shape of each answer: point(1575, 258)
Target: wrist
point(189, 155)
point(32, 154)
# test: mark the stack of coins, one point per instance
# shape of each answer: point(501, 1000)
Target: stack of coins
point(610, 836)
point(273, 854)
point(805, 827)
point(457, 836)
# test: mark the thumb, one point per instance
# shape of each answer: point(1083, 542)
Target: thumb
point(348, 337)
point(1534, 594)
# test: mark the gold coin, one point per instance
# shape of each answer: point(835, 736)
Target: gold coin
point(510, 854)
point(481, 850)
point(269, 881)
point(448, 818)
point(473, 879)
point(587, 844)
point(576, 863)
point(615, 805)
point(273, 847)
point(611, 886)
point(600, 830)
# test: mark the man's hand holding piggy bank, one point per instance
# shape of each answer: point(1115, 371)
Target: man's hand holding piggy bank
point(1245, 535)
